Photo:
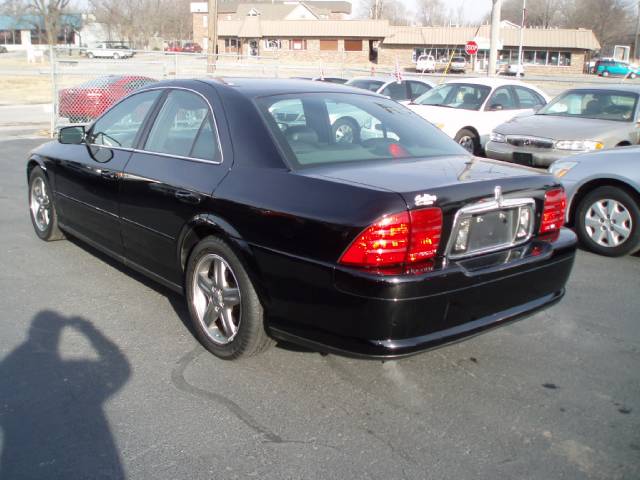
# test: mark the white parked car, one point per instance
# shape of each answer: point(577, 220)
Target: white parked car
point(106, 50)
point(426, 63)
point(469, 109)
point(458, 64)
point(403, 92)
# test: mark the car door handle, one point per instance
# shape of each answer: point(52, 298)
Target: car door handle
point(109, 175)
point(188, 197)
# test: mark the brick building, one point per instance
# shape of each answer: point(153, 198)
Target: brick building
point(309, 32)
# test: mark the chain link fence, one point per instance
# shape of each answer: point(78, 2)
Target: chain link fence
point(86, 83)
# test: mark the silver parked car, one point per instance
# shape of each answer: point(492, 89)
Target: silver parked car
point(578, 120)
point(603, 192)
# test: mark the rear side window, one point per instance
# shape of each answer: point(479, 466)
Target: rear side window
point(418, 88)
point(184, 127)
point(528, 98)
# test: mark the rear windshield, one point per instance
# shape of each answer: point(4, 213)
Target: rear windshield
point(458, 59)
point(597, 104)
point(371, 85)
point(99, 82)
point(325, 128)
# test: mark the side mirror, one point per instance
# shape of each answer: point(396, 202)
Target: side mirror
point(496, 107)
point(73, 135)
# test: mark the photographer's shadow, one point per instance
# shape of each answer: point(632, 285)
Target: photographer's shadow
point(51, 409)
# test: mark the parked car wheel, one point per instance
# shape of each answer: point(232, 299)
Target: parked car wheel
point(41, 207)
point(346, 130)
point(90, 55)
point(225, 309)
point(608, 222)
point(468, 140)
point(116, 56)
point(605, 73)
point(632, 75)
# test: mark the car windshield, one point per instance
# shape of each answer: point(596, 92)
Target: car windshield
point(466, 96)
point(326, 128)
point(371, 85)
point(597, 104)
point(458, 60)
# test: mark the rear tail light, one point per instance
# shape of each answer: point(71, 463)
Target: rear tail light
point(555, 204)
point(402, 240)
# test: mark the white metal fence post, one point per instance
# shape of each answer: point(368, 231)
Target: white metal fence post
point(54, 90)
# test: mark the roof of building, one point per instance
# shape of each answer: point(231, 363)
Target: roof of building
point(255, 27)
point(32, 22)
point(533, 37)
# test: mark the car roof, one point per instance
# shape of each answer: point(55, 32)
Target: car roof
point(256, 87)
point(488, 81)
point(377, 79)
point(609, 87)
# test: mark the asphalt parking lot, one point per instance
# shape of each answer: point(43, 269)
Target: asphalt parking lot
point(101, 378)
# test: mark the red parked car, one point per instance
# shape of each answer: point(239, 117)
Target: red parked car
point(173, 47)
point(88, 100)
point(191, 48)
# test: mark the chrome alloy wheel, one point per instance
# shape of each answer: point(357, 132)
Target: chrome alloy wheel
point(40, 204)
point(344, 134)
point(608, 223)
point(216, 298)
point(467, 143)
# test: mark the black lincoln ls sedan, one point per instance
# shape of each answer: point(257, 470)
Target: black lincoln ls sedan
point(306, 212)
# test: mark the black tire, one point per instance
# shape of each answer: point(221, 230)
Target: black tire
point(251, 337)
point(90, 55)
point(631, 244)
point(468, 140)
point(632, 76)
point(49, 230)
point(346, 123)
point(116, 56)
point(605, 73)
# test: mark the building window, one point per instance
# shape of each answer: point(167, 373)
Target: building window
point(565, 59)
point(272, 44)
point(298, 44)
point(326, 44)
point(541, 57)
point(353, 45)
point(231, 44)
point(10, 37)
point(253, 13)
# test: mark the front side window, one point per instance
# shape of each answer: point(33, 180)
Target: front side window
point(465, 96)
point(598, 104)
point(184, 127)
point(396, 91)
point(502, 99)
point(120, 125)
point(325, 128)
point(418, 88)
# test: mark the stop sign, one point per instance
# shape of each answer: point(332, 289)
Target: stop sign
point(471, 48)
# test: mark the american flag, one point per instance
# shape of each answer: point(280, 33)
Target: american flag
point(398, 73)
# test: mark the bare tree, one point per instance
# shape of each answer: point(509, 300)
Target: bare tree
point(431, 12)
point(540, 13)
point(51, 12)
point(393, 10)
point(612, 21)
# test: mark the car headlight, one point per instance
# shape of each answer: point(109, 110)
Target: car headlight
point(498, 137)
point(440, 125)
point(579, 145)
point(560, 169)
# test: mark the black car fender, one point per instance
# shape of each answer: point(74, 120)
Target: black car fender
point(206, 224)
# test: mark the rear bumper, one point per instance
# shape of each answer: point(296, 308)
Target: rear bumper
point(364, 315)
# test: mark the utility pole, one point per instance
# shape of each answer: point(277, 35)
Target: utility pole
point(524, 19)
point(212, 39)
point(495, 37)
point(636, 47)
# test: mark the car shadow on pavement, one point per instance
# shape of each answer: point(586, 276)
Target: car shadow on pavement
point(52, 407)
